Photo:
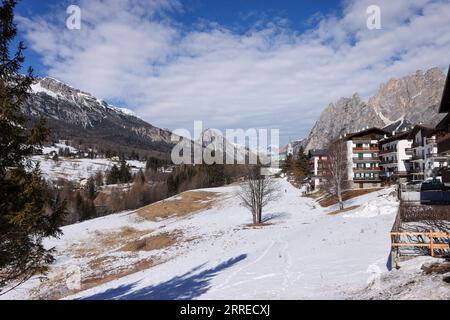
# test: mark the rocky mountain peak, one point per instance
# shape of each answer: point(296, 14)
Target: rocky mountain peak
point(412, 99)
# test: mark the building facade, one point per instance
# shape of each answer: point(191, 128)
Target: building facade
point(395, 161)
point(317, 162)
point(425, 159)
point(363, 158)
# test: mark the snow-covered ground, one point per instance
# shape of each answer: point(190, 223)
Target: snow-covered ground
point(77, 170)
point(302, 252)
point(74, 169)
point(409, 283)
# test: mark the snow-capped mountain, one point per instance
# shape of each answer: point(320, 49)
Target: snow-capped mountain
point(76, 115)
point(413, 99)
point(211, 138)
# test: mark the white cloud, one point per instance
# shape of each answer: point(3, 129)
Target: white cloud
point(270, 76)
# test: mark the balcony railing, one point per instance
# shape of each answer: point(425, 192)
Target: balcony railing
point(418, 157)
point(366, 159)
point(417, 144)
point(388, 151)
point(394, 175)
point(375, 169)
point(366, 149)
point(366, 179)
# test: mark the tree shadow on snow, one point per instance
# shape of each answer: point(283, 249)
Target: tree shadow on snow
point(185, 287)
point(275, 216)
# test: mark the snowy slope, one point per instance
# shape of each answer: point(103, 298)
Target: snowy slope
point(75, 170)
point(304, 253)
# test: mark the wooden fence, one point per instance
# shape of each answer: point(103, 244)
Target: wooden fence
point(432, 244)
point(421, 239)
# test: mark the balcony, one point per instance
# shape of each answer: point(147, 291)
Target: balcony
point(417, 144)
point(416, 171)
point(389, 161)
point(432, 155)
point(366, 159)
point(388, 151)
point(375, 169)
point(417, 158)
point(361, 149)
point(366, 179)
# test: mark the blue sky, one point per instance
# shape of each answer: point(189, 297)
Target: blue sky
point(233, 64)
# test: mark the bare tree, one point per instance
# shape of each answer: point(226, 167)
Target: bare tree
point(335, 170)
point(257, 191)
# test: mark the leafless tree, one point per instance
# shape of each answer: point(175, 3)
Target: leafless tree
point(335, 170)
point(257, 191)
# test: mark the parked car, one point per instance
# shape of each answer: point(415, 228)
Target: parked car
point(434, 192)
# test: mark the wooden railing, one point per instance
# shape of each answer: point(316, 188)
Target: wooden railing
point(366, 149)
point(377, 159)
point(396, 237)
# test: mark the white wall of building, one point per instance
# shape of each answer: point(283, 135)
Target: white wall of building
point(402, 145)
point(350, 164)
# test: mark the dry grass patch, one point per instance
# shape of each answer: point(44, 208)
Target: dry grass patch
point(343, 210)
point(183, 205)
point(347, 195)
point(55, 288)
point(104, 242)
point(315, 195)
point(155, 242)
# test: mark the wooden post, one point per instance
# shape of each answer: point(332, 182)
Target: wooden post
point(431, 244)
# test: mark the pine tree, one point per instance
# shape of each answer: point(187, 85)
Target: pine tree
point(113, 175)
point(125, 173)
point(99, 179)
point(216, 174)
point(288, 164)
point(28, 214)
point(302, 168)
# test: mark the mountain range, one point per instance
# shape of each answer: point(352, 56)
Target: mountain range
point(79, 116)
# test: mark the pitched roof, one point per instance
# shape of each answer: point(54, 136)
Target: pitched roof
point(365, 132)
point(426, 131)
point(399, 126)
point(399, 136)
point(444, 124)
point(445, 101)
